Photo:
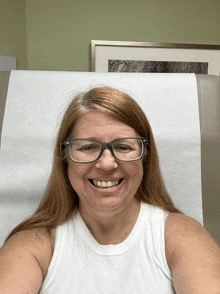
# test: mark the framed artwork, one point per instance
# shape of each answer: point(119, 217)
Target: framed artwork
point(118, 56)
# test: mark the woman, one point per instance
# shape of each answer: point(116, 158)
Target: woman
point(106, 223)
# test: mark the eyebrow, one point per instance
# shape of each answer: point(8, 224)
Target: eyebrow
point(95, 139)
point(87, 138)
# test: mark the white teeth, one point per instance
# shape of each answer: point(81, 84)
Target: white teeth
point(104, 184)
point(109, 184)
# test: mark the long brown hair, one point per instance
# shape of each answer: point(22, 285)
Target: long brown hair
point(60, 199)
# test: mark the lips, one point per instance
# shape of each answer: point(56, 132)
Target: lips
point(105, 184)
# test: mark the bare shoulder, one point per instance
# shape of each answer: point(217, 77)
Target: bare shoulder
point(192, 255)
point(40, 242)
point(181, 224)
point(24, 259)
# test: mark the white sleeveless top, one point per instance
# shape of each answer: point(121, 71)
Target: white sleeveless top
point(80, 265)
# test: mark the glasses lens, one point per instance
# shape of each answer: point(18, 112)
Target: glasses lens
point(84, 150)
point(128, 149)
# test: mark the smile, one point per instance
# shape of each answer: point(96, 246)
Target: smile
point(104, 184)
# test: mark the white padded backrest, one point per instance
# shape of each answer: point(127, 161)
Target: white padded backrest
point(22, 201)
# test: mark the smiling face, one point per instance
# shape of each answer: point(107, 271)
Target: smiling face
point(106, 184)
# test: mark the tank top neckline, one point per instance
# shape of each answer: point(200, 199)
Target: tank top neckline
point(104, 250)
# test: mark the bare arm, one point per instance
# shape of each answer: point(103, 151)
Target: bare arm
point(193, 256)
point(24, 260)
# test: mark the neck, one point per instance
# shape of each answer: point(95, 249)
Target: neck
point(111, 227)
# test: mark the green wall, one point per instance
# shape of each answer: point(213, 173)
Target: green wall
point(59, 32)
point(13, 31)
point(56, 35)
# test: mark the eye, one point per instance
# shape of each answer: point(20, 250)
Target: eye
point(123, 148)
point(88, 148)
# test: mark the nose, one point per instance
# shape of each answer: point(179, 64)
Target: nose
point(107, 161)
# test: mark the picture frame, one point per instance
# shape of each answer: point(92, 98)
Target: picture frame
point(119, 56)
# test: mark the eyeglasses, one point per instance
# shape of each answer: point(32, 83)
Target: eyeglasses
point(125, 149)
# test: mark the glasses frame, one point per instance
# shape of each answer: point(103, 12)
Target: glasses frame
point(105, 145)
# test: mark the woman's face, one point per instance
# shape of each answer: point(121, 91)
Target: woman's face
point(84, 176)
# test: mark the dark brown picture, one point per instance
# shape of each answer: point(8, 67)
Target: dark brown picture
point(157, 66)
